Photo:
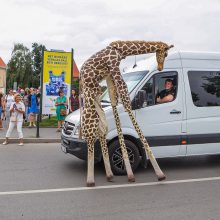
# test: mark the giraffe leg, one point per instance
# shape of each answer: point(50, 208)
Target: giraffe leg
point(114, 101)
point(103, 129)
point(90, 169)
point(158, 171)
point(89, 132)
point(130, 174)
point(109, 174)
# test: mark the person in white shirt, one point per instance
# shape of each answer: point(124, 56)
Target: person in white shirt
point(17, 110)
point(9, 99)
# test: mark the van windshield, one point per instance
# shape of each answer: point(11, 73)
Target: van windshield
point(131, 79)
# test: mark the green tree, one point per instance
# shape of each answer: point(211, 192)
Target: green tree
point(36, 54)
point(19, 67)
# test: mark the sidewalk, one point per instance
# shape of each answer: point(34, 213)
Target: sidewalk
point(47, 135)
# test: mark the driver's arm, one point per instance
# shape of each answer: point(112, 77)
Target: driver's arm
point(168, 98)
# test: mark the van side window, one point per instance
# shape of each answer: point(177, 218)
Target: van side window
point(205, 87)
point(161, 88)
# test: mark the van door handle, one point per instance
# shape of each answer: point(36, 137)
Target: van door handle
point(174, 111)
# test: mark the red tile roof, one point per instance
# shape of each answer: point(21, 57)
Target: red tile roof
point(75, 70)
point(2, 64)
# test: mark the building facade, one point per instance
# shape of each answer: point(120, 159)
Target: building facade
point(2, 76)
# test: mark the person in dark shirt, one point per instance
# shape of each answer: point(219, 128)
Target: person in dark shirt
point(2, 108)
point(74, 101)
point(168, 94)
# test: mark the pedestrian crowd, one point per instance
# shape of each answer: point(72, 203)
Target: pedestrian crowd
point(30, 97)
point(23, 105)
point(16, 107)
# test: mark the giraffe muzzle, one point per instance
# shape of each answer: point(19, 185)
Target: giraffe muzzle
point(160, 68)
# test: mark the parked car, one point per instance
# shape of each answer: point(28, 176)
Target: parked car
point(187, 125)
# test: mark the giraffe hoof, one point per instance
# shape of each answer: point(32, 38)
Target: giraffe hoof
point(90, 184)
point(131, 179)
point(110, 178)
point(161, 178)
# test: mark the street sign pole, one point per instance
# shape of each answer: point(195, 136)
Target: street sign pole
point(71, 86)
point(41, 96)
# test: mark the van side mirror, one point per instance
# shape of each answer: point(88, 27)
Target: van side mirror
point(140, 99)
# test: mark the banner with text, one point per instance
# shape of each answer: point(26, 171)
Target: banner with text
point(57, 73)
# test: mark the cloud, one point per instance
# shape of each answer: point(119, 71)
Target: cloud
point(88, 26)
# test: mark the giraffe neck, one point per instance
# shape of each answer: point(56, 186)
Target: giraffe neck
point(128, 48)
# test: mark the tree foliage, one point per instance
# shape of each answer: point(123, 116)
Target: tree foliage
point(20, 66)
point(24, 67)
point(37, 63)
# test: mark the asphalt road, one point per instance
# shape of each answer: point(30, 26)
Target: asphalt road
point(38, 181)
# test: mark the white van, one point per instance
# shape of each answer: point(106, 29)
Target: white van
point(188, 125)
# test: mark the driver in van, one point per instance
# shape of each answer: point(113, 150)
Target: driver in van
point(168, 94)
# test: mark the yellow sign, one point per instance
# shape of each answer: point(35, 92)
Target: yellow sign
point(57, 74)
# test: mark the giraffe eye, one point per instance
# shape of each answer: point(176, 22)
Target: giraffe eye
point(166, 54)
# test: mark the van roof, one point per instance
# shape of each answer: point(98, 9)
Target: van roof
point(150, 63)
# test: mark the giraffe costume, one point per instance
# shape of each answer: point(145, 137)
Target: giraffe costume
point(105, 65)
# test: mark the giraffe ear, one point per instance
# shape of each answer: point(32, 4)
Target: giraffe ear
point(170, 46)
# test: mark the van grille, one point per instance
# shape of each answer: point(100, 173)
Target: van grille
point(68, 128)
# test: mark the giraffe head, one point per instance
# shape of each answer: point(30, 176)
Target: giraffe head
point(161, 53)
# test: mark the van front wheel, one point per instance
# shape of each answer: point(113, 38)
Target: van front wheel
point(116, 158)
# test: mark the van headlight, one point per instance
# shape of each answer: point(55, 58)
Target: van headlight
point(76, 132)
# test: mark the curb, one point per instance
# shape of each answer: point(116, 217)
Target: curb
point(33, 140)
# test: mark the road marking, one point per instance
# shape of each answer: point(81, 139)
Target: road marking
point(108, 187)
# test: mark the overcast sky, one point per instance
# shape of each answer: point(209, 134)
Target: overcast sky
point(88, 26)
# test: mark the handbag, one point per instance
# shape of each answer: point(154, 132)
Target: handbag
point(32, 117)
point(63, 112)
